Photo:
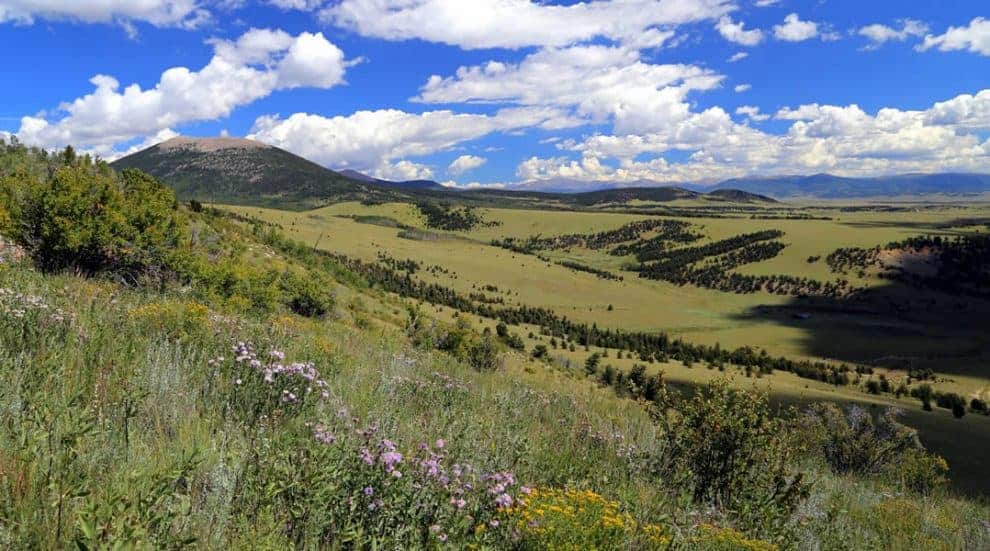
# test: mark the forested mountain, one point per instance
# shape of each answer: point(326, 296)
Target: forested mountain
point(244, 171)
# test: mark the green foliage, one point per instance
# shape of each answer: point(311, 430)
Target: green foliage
point(726, 447)
point(854, 442)
point(482, 352)
point(83, 218)
point(148, 509)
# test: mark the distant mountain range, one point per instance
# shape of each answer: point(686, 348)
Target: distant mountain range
point(236, 170)
point(827, 186)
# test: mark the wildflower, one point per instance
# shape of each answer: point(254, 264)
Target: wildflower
point(369, 491)
point(237, 382)
point(494, 523)
point(435, 528)
point(366, 456)
point(442, 537)
point(503, 500)
point(440, 444)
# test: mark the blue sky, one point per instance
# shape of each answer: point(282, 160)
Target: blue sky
point(515, 92)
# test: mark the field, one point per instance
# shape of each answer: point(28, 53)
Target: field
point(949, 338)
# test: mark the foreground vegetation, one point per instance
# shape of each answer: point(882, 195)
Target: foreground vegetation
point(237, 390)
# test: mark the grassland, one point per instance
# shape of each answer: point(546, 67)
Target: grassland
point(956, 346)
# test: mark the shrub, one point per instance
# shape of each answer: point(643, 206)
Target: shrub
point(484, 354)
point(854, 442)
point(922, 472)
point(308, 295)
point(727, 447)
point(93, 221)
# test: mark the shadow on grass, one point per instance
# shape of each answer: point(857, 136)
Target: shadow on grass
point(893, 325)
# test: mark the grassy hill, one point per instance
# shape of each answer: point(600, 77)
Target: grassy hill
point(179, 378)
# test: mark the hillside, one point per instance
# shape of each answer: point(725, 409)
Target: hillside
point(183, 378)
point(245, 172)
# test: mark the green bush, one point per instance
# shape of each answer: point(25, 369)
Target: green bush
point(90, 220)
point(727, 447)
point(853, 441)
point(308, 295)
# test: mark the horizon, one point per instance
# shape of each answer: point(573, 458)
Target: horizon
point(672, 92)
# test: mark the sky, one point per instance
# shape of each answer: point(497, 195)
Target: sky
point(515, 93)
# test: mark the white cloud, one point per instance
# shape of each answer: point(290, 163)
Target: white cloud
point(596, 83)
point(260, 62)
point(752, 113)
point(766, 3)
point(844, 140)
point(795, 30)
point(974, 37)
point(465, 163)
point(968, 112)
point(402, 171)
point(740, 88)
point(735, 32)
point(373, 140)
point(738, 56)
point(302, 5)
point(880, 34)
point(515, 23)
point(161, 13)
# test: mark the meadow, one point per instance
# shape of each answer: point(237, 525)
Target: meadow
point(950, 341)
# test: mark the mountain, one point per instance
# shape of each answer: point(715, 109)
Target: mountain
point(662, 194)
point(237, 170)
point(828, 186)
point(405, 184)
point(738, 196)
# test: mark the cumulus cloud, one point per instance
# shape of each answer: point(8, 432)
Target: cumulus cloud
point(401, 171)
point(374, 140)
point(465, 163)
point(840, 139)
point(881, 34)
point(738, 56)
point(595, 83)
point(795, 30)
point(974, 37)
point(516, 23)
point(752, 113)
point(740, 88)
point(735, 32)
point(161, 13)
point(258, 63)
